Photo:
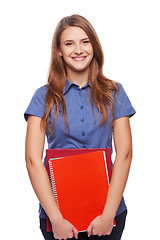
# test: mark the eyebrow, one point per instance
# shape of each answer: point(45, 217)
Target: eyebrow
point(83, 39)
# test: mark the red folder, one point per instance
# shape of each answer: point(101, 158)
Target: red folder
point(70, 183)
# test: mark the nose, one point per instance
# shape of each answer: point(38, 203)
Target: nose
point(78, 49)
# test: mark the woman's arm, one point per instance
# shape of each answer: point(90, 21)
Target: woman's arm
point(35, 139)
point(103, 224)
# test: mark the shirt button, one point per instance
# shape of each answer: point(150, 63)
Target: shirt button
point(83, 133)
point(81, 107)
point(82, 119)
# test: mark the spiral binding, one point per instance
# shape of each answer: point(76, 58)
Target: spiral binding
point(53, 182)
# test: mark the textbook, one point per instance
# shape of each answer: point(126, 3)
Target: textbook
point(80, 183)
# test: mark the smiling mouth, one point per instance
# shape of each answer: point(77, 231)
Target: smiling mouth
point(78, 59)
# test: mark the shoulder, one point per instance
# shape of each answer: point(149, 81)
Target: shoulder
point(37, 105)
point(41, 91)
point(119, 86)
point(120, 92)
point(122, 106)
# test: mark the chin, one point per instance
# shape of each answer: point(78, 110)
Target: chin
point(80, 69)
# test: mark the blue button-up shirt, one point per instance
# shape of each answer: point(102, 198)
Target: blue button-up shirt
point(84, 130)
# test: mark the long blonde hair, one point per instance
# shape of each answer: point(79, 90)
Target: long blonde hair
point(101, 87)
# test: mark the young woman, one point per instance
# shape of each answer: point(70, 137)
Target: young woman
point(79, 108)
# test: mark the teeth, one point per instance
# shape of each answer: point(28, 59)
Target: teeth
point(78, 58)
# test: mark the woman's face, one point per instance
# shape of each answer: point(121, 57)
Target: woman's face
point(76, 49)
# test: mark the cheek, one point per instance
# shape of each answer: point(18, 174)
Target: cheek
point(67, 53)
point(90, 50)
point(64, 52)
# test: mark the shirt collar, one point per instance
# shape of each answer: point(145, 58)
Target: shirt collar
point(68, 84)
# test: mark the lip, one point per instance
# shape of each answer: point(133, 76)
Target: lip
point(79, 59)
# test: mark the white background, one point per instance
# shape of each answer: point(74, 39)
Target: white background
point(129, 34)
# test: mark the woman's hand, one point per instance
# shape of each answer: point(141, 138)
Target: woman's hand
point(63, 229)
point(101, 225)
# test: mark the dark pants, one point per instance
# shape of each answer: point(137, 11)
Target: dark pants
point(115, 234)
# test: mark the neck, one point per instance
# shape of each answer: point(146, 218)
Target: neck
point(79, 78)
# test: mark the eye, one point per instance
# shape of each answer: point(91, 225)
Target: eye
point(68, 43)
point(86, 41)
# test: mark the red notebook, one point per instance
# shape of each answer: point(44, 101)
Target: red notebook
point(80, 185)
point(53, 153)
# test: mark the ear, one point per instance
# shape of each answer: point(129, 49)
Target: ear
point(60, 53)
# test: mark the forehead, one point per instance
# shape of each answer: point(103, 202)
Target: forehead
point(73, 33)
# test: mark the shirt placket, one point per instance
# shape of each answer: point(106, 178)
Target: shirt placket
point(83, 130)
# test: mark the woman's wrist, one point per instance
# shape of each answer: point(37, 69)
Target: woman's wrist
point(108, 213)
point(56, 217)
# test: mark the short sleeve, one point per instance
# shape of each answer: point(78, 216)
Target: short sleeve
point(123, 106)
point(37, 105)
